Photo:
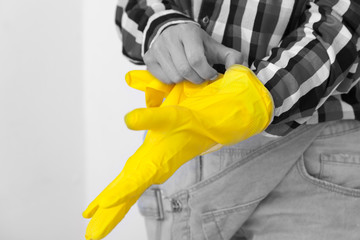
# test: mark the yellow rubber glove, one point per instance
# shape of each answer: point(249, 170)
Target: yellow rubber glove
point(192, 120)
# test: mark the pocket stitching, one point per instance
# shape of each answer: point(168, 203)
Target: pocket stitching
point(330, 159)
point(332, 187)
point(340, 133)
point(211, 215)
point(219, 229)
point(207, 233)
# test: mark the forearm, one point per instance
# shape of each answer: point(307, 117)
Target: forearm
point(313, 61)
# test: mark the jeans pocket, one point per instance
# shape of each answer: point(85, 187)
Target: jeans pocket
point(341, 168)
point(337, 173)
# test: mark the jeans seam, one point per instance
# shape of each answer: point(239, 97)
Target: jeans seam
point(219, 229)
point(326, 159)
point(355, 129)
point(324, 184)
point(222, 161)
point(320, 175)
point(200, 168)
point(158, 231)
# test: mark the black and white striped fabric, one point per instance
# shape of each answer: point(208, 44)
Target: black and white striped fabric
point(305, 52)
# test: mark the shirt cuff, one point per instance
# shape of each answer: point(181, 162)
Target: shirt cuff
point(158, 22)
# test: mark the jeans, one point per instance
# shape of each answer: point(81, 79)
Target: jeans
point(305, 185)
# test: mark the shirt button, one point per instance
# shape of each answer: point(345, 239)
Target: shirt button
point(176, 205)
point(205, 20)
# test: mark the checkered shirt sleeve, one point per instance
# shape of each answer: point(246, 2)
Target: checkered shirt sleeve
point(311, 73)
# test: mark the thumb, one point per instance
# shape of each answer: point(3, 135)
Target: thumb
point(153, 118)
point(220, 54)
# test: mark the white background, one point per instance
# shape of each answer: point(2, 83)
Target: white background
point(62, 102)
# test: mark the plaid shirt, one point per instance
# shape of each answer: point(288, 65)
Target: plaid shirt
point(305, 52)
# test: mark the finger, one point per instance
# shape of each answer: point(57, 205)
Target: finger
point(168, 67)
point(158, 56)
point(139, 79)
point(154, 118)
point(153, 66)
point(94, 205)
point(220, 54)
point(136, 176)
point(195, 53)
point(105, 220)
point(91, 209)
point(129, 188)
point(181, 63)
point(138, 173)
point(158, 72)
point(142, 80)
point(155, 90)
point(233, 58)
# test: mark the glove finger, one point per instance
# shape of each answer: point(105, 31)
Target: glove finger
point(91, 209)
point(128, 182)
point(175, 96)
point(142, 79)
point(138, 174)
point(122, 193)
point(153, 97)
point(156, 118)
point(105, 220)
point(136, 181)
point(94, 205)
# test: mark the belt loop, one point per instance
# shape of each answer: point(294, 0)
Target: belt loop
point(159, 202)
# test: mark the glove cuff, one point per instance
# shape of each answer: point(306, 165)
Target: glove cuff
point(261, 96)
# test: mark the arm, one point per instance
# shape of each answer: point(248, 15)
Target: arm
point(316, 61)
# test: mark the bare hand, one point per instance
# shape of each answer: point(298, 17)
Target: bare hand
point(186, 52)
